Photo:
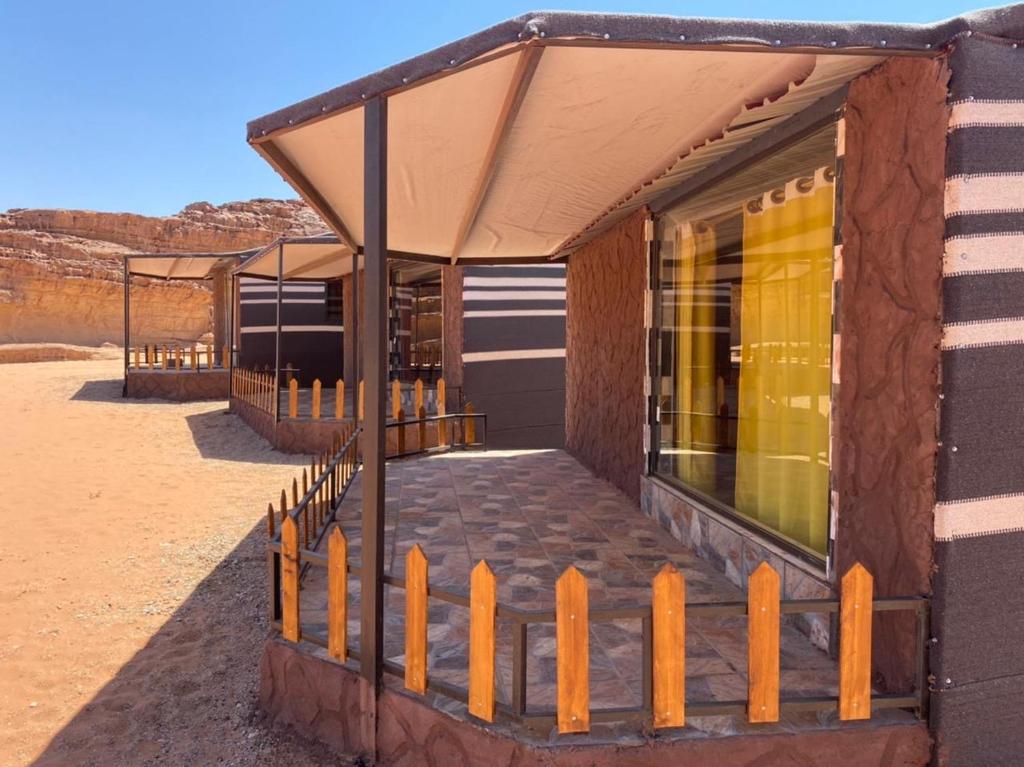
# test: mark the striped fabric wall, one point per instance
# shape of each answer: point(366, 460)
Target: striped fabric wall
point(513, 352)
point(978, 616)
point(307, 330)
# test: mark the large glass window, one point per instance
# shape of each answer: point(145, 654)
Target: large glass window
point(745, 342)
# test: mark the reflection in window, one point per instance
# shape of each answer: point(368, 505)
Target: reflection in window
point(745, 342)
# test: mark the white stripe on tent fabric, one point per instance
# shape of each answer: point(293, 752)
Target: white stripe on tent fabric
point(980, 516)
point(265, 287)
point(513, 295)
point(515, 313)
point(986, 253)
point(971, 114)
point(294, 329)
point(984, 333)
point(515, 282)
point(249, 301)
point(996, 193)
point(513, 354)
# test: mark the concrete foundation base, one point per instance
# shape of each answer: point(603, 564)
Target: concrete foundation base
point(329, 702)
point(178, 386)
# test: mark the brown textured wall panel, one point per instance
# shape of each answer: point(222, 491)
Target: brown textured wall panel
point(325, 700)
point(604, 371)
point(889, 315)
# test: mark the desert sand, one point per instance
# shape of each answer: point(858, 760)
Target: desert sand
point(132, 576)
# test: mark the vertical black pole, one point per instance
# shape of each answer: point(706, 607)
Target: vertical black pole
point(229, 363)
point(127, 325)
point(356, 329)
point(375, 214)
point(277, 338)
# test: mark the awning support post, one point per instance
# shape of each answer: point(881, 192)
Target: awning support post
point(375, 212)
point(357, 366)
point(277, 337)
point(127, 324)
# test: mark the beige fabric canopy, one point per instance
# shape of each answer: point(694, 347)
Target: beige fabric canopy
point(320, 257)
point(529, 148)
point(183, 266)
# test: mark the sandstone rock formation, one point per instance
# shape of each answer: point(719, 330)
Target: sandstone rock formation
point(61, 274)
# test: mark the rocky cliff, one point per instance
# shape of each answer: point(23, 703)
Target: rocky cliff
point(61, 272)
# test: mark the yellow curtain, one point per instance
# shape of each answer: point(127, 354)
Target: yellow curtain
point(696, 393)
point(784, 381)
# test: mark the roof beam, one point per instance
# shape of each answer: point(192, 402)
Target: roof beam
point(172, 267)
point(314, 264)
point(526, 66)
point(286, 168)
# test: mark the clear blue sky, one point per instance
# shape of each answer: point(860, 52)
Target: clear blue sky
point(141, 106)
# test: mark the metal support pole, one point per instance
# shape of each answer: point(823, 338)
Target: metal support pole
point(356, 328)
point(127, 325)
point(375, 213)
point(277, 337)
point(229, 363)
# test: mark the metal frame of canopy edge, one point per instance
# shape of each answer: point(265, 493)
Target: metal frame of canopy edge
point(215, 258)
point(530, 33)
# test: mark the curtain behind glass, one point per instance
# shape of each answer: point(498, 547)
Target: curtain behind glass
point(696, 392)
point(784, 386)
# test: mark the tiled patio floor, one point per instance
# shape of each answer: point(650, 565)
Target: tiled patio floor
point(531, 514)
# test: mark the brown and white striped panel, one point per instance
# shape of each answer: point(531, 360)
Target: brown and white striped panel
point(975, 657)
point(981, 484)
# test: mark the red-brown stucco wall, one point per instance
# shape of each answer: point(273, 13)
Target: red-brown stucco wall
point(889, 325)
point(605, 354)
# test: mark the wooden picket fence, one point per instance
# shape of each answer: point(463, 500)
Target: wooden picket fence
point(316, 398)
point(301, 522)
point(253, 387)
point(662, 651)
point(174, 357)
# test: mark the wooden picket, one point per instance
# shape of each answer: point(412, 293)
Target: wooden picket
point(165, 361)
point(339, 399)
point(290, 568)
point(225, 358)
point(400, 418)
point(293, 398)
point(469, 425)
point(396, 399)
point(337, 595)
point(316, 399)
point(209, 358)
point(193, 358)
point(482, 613)
point(416, 620)
point(418, 395)
point(855, 610)
point(668, 623)
point(442, 424)
point(270, 520)
point(763, 645)
point(421, 414)
point(136, 350)
point(362, 401)
point(284, 505)
point(573, 652)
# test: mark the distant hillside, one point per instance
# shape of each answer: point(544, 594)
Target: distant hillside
point(60, 270)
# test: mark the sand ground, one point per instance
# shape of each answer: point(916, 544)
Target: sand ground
point(132, 576)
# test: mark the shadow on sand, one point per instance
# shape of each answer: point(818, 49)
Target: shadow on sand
point(106, 390)
point(208, 433)
point(190, 696)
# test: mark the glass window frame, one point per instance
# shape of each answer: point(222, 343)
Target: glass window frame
point(820, 562)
